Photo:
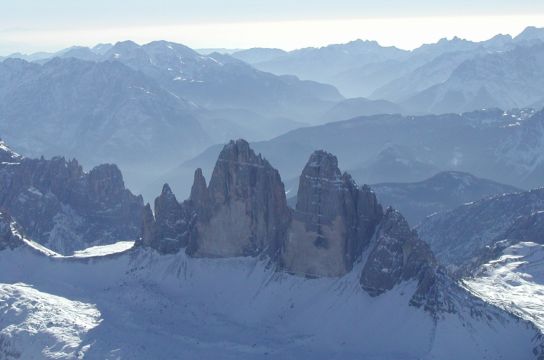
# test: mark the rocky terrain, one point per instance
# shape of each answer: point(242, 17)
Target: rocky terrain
point(460, 236)
point(335, 224)
point(64, 208)
point(242, 297)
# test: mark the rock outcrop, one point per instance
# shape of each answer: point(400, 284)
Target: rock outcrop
point(172, 226)
point(329, 228)
point(396, 255)
point(8, 238)
point(66, 209)
point(244, 210)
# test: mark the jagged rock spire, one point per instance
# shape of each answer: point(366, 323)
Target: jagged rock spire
point(397, 254)
point(326, 236)
point(244, 210)
point(200, 197)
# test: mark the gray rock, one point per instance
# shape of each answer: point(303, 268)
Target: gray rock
point(8, 238)
point(244, 210)
point(396, 254)
point(62, 207)
point(329, 229)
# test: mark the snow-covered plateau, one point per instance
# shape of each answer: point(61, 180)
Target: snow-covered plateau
point(138, 304)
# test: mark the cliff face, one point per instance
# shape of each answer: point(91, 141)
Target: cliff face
point(8, 238)
point(64, 208)
point(243, 212)
point(329, 228)
point(396, 254)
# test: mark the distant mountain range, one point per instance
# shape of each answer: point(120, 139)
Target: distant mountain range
point(506, 147)
point(443, 191)
point(146, 107)
point(449, 76)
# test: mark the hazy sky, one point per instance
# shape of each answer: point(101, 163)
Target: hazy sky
point(38, 25)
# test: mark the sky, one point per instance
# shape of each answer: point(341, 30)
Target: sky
point(35, 25)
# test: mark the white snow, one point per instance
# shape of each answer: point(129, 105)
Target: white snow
point(104, 250)
point(38, 325)
point(515, 282)
point(149, 306)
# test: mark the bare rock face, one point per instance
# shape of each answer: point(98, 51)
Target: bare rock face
point(332, 223)
point(395, 255)
point(62, 207)
point(8, 239)
point(173, 225)
point(244, 210)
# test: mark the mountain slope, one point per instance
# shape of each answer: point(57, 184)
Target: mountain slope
point(156, 300)
point(444, 191)
point(209, 80)
point(458, 236)
point(97, 112)
point(504, 79)
point(165, 306)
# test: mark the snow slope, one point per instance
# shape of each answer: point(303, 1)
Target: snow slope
point(514, 281)
point(37, 325)
point(142, 305)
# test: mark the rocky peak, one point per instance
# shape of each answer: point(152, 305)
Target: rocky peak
point(8, 238)
point(200, 196)
point(64, 208)
point(147, 237)
point(328, 230)
point(244, 210)
point(171, 229)
point(7, 155)
point(106, 181)
point(396, 254)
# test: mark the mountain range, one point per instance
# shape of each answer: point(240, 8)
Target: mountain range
point(178, 290)
point(429, 79)
point(505, 147)
point(145, 107)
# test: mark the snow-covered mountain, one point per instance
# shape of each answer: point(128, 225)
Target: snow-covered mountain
point(508, 273)
point(459, 237)
point(241, 299)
